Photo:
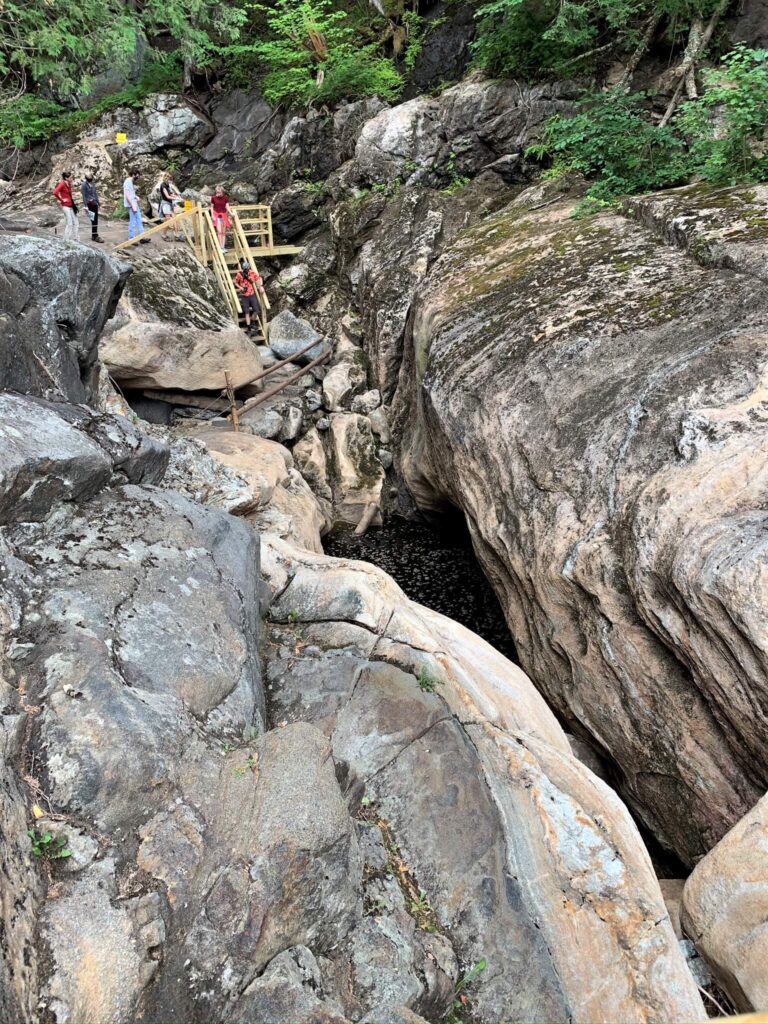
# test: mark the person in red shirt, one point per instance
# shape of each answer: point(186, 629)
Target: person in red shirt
point(63, 196)
point(220, 212)
point(247, 284)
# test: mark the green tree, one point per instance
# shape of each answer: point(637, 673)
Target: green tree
point(313, 54)
point(59, 47)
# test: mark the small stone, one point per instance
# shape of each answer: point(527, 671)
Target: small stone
point(323, 423)
point(384, 457)
point(313, 400)
point(380, 424)
point(367, 402)
point(292, 423)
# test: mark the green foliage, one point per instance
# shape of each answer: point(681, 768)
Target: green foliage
point(426, 681)
point(312, 54)
point(60, 46)
point(719, 137)
point(726, 127)
point(28, 119)
point(610, 141)
point(457, 1013)
point(46, 847)
point(559, 38)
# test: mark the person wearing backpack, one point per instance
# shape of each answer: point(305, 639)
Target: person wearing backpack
point(63, 196)
point(247, 283)
point(91, 204)
point(131, 203)
point(168, 199)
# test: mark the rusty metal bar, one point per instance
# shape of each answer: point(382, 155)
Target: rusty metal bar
point(253, 402)
point(283, 362)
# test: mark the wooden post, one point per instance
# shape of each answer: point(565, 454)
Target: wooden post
point(232, 405)
point(203, 247)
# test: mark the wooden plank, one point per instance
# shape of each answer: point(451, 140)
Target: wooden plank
point(177, 218)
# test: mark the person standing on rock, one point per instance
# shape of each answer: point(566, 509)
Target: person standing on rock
point(168, 199)
point(247, 283)
point(221, 212)
point(91, 204)
point(63, 195)
point(131, 203)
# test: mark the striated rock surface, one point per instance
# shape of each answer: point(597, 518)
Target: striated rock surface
point(725, 909)
point(594, 399)
point(517, 852)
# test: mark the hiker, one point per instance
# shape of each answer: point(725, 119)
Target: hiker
point(168, 199)
point(247, 282)
point(91, 204)
point(131, 203)
point(63, 195)
point(220, 212)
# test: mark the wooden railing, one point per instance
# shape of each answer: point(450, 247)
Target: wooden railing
point(250, 237)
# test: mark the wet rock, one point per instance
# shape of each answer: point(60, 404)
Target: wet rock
point(245, 126)
point(294, 211)
point(55, 298)
point(638, 476)
point(288, 334)
point(725, 902)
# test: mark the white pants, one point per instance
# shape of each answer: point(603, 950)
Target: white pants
point(71, 225)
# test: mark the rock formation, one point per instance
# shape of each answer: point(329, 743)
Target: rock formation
point(590, 395)
point(334, 829)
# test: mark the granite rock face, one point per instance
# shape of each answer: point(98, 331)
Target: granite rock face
point(593, 397)
point(725, 909)
point(515, 850)
point(55, 298)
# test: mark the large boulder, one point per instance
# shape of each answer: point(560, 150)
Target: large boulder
point(172, 122)
point(590, 396)
point(146, 354)
point(289, 334)
point(508, 849)
point(355, 474)
point(55, 298)
point(725, 909)
point(465, 128)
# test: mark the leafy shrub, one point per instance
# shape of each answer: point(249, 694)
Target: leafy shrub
point(314, 55)
point(726, 127)
point(558, 38)
point(610, 142)
point(719, 137)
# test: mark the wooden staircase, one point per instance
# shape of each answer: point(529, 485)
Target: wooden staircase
point(248, 238)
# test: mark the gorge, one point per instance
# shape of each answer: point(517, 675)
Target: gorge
point(246, 776)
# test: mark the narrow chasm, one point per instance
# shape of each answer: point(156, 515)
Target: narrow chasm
point(435, 565)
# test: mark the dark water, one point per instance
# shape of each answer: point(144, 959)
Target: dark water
point(435, 568)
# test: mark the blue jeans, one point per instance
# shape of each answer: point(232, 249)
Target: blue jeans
point(135, 223)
